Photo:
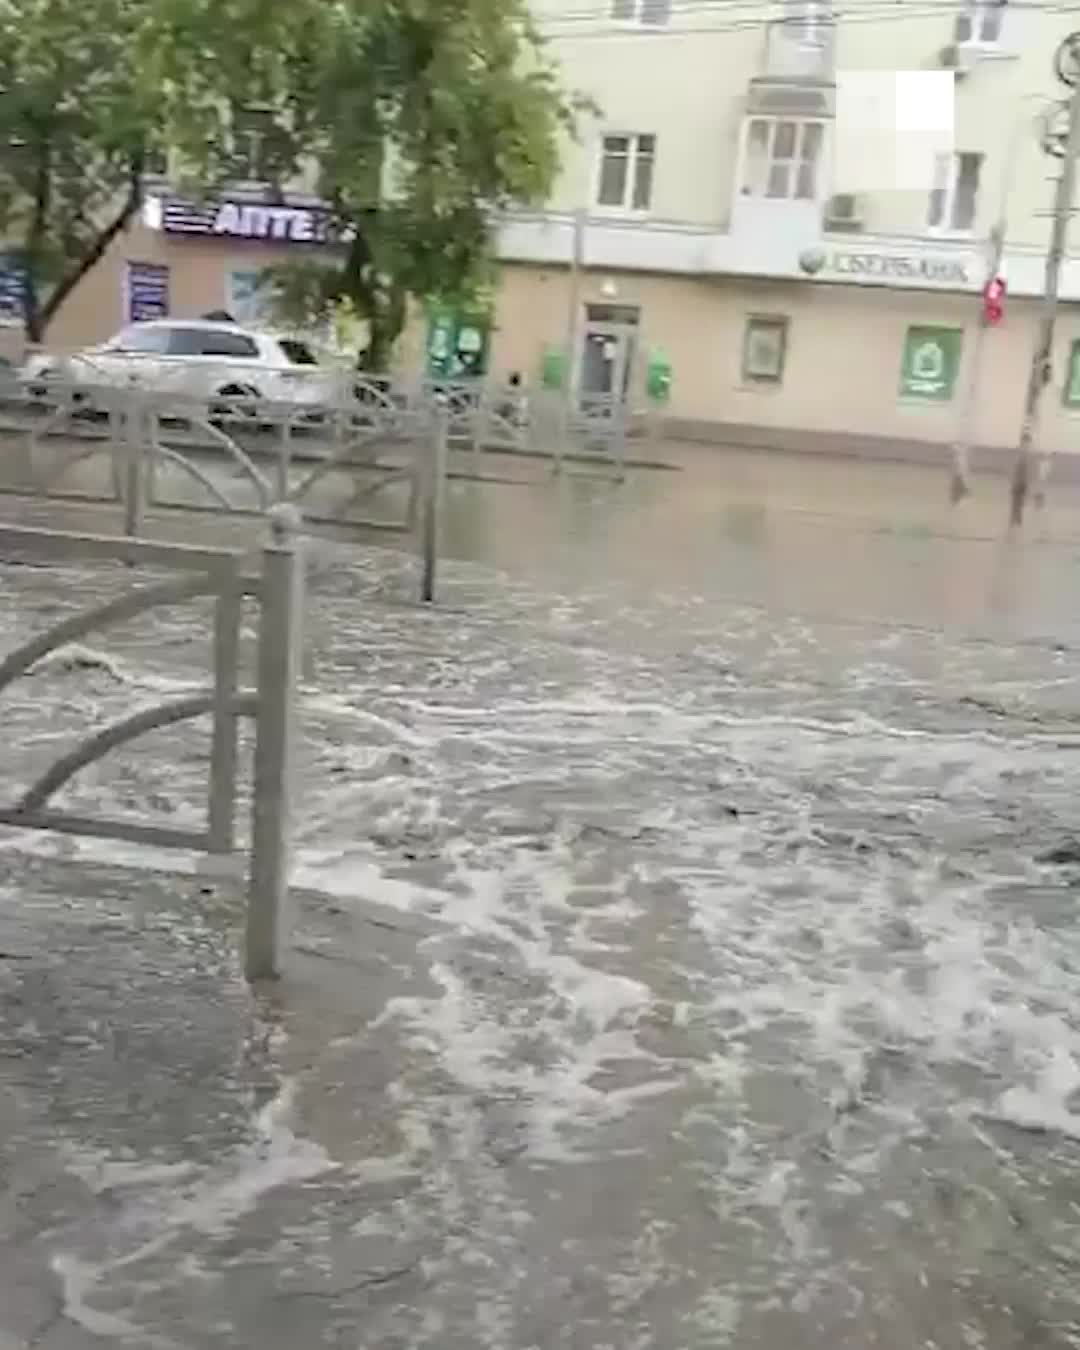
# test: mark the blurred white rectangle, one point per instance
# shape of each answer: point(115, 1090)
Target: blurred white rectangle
point(891, 128)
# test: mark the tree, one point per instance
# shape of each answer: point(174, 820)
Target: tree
point(92, 93)
point(425, 117)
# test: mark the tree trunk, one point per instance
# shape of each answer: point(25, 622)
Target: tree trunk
point(37, 316)
point(387, 320)
point(100, 245)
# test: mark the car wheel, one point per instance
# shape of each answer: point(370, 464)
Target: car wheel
point(243, 402)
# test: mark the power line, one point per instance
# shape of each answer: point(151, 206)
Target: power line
point(738, 15)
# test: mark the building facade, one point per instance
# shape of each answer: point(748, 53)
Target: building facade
point(706, 211)
point(712, 232)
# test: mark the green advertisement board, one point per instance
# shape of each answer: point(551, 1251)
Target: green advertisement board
point(553, 368)
point(1071, 392)
point(930, 364)
point(458, 344)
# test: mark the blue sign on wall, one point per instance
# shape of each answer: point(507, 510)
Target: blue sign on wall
point(12, 287)
point(147, 292)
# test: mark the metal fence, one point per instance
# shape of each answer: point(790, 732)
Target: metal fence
point(277, 590)
point(370, 456)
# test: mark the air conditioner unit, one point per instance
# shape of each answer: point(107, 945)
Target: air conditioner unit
point(956, 57)
point(843, 212)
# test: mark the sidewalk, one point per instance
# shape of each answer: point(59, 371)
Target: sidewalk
point(155, 1189)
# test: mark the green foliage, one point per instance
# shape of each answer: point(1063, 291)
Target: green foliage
point(92, 92)
point(425, 116)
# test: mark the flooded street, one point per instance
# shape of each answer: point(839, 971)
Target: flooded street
point(724, 826)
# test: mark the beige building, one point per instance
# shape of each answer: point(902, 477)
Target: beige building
point(714, 225)
point(714, 230)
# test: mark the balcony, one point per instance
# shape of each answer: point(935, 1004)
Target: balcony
point(798, 67)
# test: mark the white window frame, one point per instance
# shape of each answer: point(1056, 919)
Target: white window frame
point(809, 21)
point(801, 123)
point(636, 13)
point(764, 379)
point(981, 16)
point(625, 208)
point(946, 181)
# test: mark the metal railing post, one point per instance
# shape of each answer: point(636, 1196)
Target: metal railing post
point(228, 612)
point(281, 601)
point(434, 488)
point(134, 486)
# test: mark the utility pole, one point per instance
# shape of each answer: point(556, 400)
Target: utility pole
point(573, 302)
point(959, 486)
point(1067, 147)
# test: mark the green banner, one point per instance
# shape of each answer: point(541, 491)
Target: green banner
point(553, 368)
point(931, 363)
point(458, 343)
point(1071, 392)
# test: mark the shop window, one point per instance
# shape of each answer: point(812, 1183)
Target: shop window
point(764, 349)
point(782, 159)
point(246, 295)
point(627, 163)
point(930, 363)
point(954, 197)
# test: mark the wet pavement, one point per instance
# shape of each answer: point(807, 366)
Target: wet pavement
point(686, 954)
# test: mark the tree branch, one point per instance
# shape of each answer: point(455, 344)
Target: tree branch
point(35, 238)
point(100, 246)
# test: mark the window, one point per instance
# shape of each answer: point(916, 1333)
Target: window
point(628, 315)
point(297, 353)
point(979, 22)
point(764, 348)
point(626, 172)
point(1070, 394)
point(647, 13)
point(254, 136)
point(246, 294)
point(782, 159)
point(954, 196)
point(141, 341)
point(212, 342)
point(156, 162)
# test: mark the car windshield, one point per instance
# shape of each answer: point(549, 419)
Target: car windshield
point(297, 353)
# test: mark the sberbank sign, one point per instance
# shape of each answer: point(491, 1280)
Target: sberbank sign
point(885, 267)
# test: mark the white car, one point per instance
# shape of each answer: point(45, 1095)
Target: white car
point(193, 358)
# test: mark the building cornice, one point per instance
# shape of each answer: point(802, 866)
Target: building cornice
point(896, 262)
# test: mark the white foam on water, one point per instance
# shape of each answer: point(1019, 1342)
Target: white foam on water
point(1052, 1103)
point(169, 1202)
point(78, 1280)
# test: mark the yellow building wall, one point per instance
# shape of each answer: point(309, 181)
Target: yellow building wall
point(845, 343)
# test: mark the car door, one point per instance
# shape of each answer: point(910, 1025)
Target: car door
point(213, 359)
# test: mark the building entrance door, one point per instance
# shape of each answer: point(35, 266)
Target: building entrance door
point(608, 350)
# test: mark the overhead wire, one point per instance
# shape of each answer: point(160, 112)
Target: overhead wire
point(737, 15)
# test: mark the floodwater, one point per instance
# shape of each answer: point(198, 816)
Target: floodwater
point(740, 806)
